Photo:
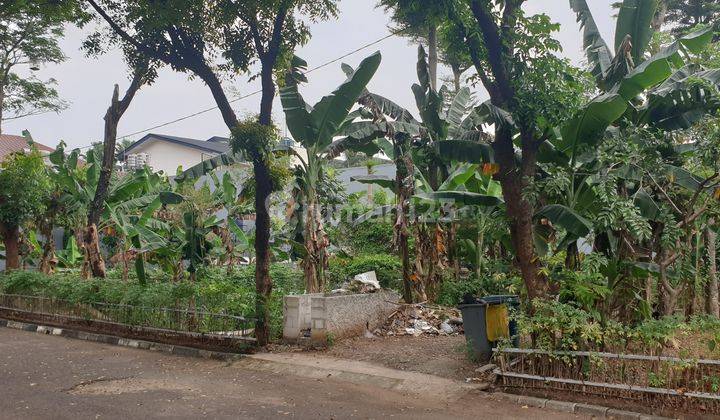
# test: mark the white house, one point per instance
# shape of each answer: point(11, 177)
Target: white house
point(166, 153)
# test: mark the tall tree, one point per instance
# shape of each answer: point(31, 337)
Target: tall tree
point(513, 57)
point(190, 36)
point(315, 127)
point(29, 35)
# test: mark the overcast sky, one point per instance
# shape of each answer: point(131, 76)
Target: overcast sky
point(87, 83)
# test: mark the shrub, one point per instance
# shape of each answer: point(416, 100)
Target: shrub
point(387, 268)
point(215, 290)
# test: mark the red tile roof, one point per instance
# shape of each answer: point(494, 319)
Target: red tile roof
point(10, 144)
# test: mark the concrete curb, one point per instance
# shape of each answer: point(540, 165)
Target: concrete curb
point(119, 341)
point(575, 408)
point(315, 366)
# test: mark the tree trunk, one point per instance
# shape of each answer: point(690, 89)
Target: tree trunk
point(263, 190)
point(457, 73)
point(95, 260)
point(712, 306)
point(2, 103)
point(520, 211)
point(433, 56)
point(263, 282)
point(112, 119)
point(11, 240)
point(404, 183)
point(668, 294)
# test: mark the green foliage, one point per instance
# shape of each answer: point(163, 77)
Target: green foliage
point(375, 237)
point(24, 188)
point(497, 278)
point(387, 268)
point(29, 33)
point(253, 138)
point(561, 326)
point(214, 291)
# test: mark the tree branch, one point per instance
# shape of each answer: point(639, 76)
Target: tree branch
point(495, 48)
point(145, 49)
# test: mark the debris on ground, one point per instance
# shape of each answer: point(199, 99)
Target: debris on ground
point(422, 319)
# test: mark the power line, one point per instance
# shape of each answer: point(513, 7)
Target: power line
point(204, 111)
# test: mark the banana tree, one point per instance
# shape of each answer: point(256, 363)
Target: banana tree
point(78, 180)
point(417, 146)
point(315, 128)
point(227, 197)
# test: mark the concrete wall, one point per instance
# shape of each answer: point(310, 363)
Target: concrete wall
point(339, 316)
point(166, 156)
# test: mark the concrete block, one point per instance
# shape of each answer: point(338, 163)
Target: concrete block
point(532, 401)
point(591, 410)
point(622, 414)
point(57, 331)
point(340, 315)
point(564, 406)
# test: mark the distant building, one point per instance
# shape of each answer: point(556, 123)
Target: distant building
point(166, 153)
point(10, 144)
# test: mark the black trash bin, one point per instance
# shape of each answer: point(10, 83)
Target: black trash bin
point(475, 323)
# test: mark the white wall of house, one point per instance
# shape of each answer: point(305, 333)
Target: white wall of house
point(166, 156)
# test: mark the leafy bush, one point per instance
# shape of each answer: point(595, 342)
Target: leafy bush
point(373, 237)
point(387, 268)
point(215, 290)
point(496, 279)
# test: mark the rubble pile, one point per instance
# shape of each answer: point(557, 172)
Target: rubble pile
point(420, 319)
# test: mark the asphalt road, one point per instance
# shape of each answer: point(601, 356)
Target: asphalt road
point(46, 377)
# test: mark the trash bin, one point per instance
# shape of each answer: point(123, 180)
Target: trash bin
point(487, 320)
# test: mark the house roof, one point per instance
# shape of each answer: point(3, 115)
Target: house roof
point(207, 146)
point(12, 144)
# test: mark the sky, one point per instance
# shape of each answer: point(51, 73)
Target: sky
point(87, 83)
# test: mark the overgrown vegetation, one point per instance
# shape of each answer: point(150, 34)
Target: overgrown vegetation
point(592, 193)
point(216, 290)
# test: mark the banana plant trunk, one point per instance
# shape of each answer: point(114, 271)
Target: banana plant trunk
point(404, 177)
point(315, 244)
point(433, 55)
point(48, 256)
point(479, 247)
point(712, 305)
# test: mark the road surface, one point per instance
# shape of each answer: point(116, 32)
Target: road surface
point(47, 377)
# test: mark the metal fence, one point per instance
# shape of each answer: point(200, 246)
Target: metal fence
point(172, 319)
point(659, 379)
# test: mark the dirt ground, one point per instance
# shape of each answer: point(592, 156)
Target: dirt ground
point(44, 377)
point(443, 356)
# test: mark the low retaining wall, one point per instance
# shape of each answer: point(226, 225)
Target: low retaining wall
point(178, 338)
point(339, 316)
